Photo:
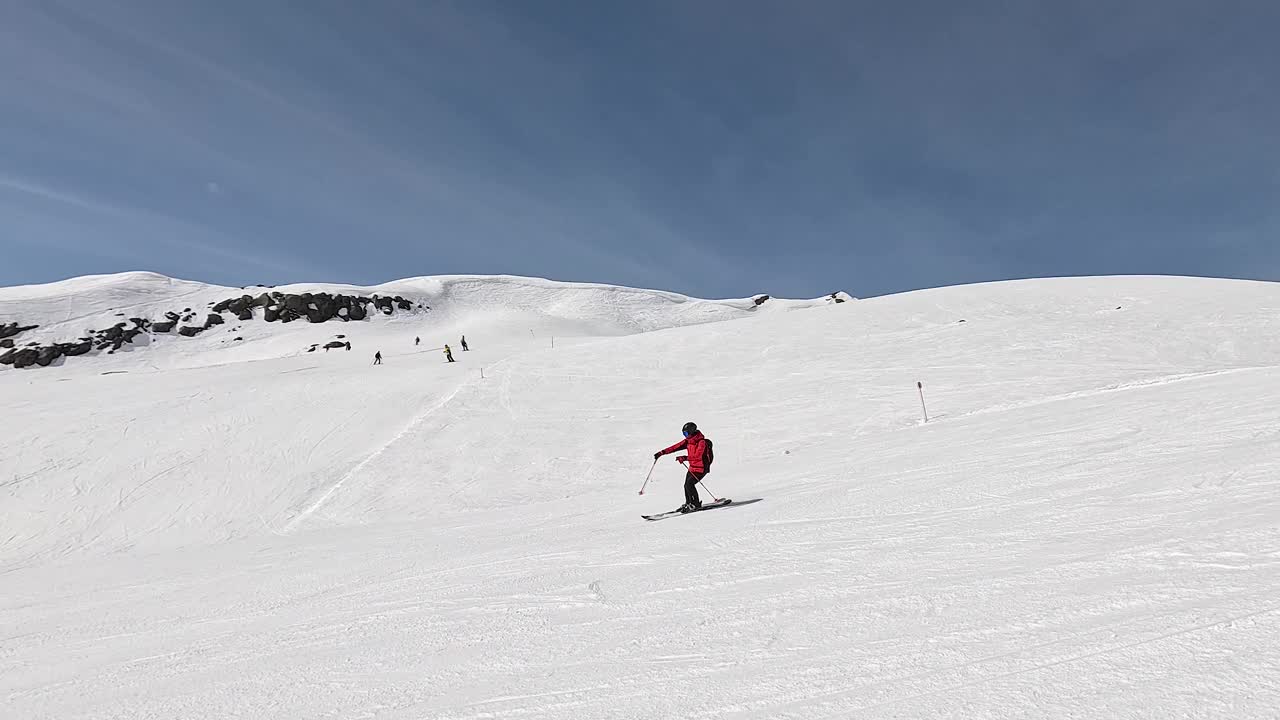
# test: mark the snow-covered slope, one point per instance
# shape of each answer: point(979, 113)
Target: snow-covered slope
point(1087, 526)
point(291, 417)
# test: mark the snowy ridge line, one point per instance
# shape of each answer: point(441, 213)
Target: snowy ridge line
point(60, 316)
point(415, 422)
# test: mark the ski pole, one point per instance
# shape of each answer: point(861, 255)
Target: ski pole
point(920, 387)
point(704, 487)
point(646, 477)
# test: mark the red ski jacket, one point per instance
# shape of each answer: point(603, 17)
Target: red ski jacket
point(696, 444)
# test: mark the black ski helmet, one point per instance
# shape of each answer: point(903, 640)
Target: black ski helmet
point(689, 428)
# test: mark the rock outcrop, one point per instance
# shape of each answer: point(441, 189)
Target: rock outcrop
point(44, 355)
point(8, 330)
point(276, 307)
point(317, 307)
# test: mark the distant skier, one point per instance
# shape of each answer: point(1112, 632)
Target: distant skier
point(377, 358)
point(699, 458)
point(348, 345)
point(448, 354)
point(464, 344)
point(417, 341)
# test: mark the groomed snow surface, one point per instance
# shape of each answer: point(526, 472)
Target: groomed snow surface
point(1087, 527)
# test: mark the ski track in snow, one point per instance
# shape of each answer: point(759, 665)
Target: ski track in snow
point(1121, 387)
point(309, 510)
point(1088, 526)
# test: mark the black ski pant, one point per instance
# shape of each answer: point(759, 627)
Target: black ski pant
point(691, 488)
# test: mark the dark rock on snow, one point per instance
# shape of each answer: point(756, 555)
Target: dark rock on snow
point(79, 348)
point(239, 305)
point(47, 354)
point(25, 357)
point(315, 307)
point(277, 307)
point(10, 329)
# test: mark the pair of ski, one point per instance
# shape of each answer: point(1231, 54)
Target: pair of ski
point(672, 513)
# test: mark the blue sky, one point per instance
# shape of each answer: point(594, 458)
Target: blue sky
point(718, 148)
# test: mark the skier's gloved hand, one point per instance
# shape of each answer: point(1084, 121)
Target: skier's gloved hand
point(657, 455)
point(682, 459)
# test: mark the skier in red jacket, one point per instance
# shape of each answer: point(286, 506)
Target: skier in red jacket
point(699, 459)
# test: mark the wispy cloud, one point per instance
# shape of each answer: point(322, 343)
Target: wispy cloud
point(26, 187)
point(714, 148)
point(174, 234)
